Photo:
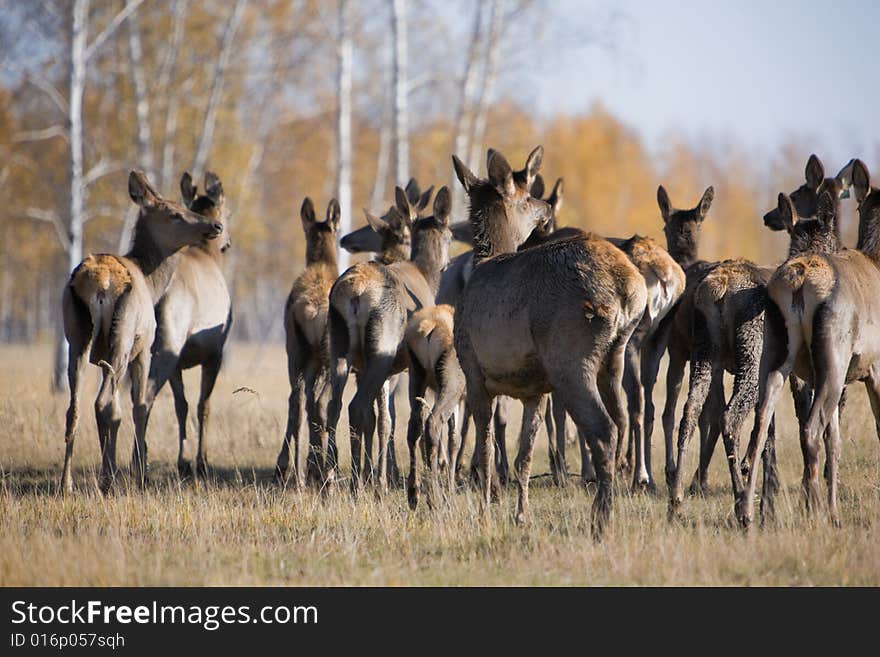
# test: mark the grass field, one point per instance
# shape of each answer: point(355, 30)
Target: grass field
point(242, 530)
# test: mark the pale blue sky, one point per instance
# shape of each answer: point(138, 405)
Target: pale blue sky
point(758, 72)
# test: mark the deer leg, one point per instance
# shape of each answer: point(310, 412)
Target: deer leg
point(652, 354)
point(674, 377)
point(384, 434)
point(533, 409)
point(417, 385)
point(338, 379)
point(771, 474)
point(583, 401)
point(588, 470)
point(551, 441)
point(559, 421)
point(139, 370)
point(462, 446)
point(362, 417)
point(109, 415)
point(451, 386)
point(710, 430)
point(181, 410)
point(452, 439)
point(210, 370)
point(77, 350)
point(296, 359)
point(611, 388)
point(317, 400)
point(635, 401)
point(703, 371)
point(393, 470)
point(502, 467)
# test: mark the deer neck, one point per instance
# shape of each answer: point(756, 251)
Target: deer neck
point(324, 255)
point(492, 234)
point(430, 263)
point(869, 234)
point(156, 264)
point(395, 253)
point(684, 255)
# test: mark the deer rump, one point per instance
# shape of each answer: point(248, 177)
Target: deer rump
point(521, 309)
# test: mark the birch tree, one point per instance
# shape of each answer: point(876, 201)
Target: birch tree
point(343, 125)
point(401, 89)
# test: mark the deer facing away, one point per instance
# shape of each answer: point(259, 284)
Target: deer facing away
point(109, 317)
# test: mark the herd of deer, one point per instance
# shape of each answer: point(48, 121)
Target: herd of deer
point(530, 311)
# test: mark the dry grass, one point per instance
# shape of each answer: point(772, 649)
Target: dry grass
point(243, 530)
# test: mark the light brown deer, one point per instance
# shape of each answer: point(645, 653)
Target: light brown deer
point(193, 319)
point(828, 305)
point(433, 364)
point(508, 342)
point(305, 324)
point(369, 307)
point(109, 316)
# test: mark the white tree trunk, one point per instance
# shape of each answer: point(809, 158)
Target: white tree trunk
point(493, 47)
point(207, 136)
point(170, 90)
point(77, 76)
point(343, 126)
point(464, 114)
point(143, 136)
point(399, 82)
point(381, 179)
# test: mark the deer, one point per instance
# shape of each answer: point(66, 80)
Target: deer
point(682, 229)
point(509, 344)
point(367, 240)
point(827, 304)
point(108, 310)
point(305, 327)
point(193, 319)
point(370, 305)
point(433, 364)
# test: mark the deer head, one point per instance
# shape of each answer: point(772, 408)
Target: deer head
point(211, 204)
point(682, 227)
point(320, 235)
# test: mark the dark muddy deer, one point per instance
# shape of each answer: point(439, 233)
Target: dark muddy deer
point(305, 325)
point(109, 316)
point(370, 305)
point(433, 364)
point(730, 307)
point(830, 313)
point(193, 320)
point(509, 344)
point(682, 229)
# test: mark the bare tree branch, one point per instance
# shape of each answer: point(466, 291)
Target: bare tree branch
point(102, 168)
point(112, 26)
point(51, 90)
point(40, 135)
point(48, 216)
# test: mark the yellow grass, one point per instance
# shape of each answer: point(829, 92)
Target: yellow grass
point(244, 530)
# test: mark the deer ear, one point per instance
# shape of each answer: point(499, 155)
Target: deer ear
point(861, 180)
point(412, 191)
point(333, 214)
point(307, 213)
point(786, 211)
point(465, 176)
point(706, 202)
point(826, 211)
point(376, 223)
point(500, 173)
point(397, 221)
point(555, 198)
point(424, 199)
point(443, 206)
point(141, 191)
point(187, 189)
point(815, 172)
point(213, 186)
point(537, 189)
point(403, 205)
point(533, 164)
point(663, 203)
point(844, 178)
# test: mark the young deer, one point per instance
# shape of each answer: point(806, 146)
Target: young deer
point(828, 306)
point(193, 319)
point(682, 229)
point(108, 310)
point(369, 307)
point(433, 364)
point(507, 341)
point(305, 324)
point(728, 334)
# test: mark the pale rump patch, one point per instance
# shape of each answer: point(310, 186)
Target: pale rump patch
point(810, 270)
point(100, 275)
point(429, 334)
